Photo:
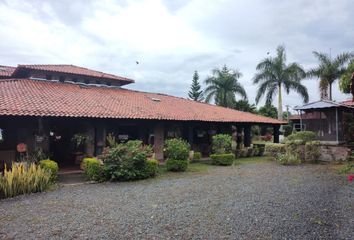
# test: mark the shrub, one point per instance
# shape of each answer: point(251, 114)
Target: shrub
point(176, 165)
point(152, 167)
point(272, 149)
point(250, 152)
point(177, 152)
point(51, 166)
point(221, 143)
point(24, 178)
point(197, 156)
point(125, 161)
point(288, 159)
point(288, 129)
point(312, 151)
point(177, 149)
point(225, 159)
point(296, 147)
point(93, 169)
point(348, 168)
point(267, 137)
point(260, 147)
point(243, 152)
point(304, 136)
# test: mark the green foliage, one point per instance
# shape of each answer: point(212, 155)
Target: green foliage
point(177, 152)
point(93, 169)
point(260, 148)
point(312, 151)
point(176, 165)
point(273, 149)
point(348, 168)
point(245, 106)
point(303, 137)
point(225, 159)
point(329, 70)
point(268, 110)
point(197, 156)
point(24, 178)
point(345, 79)
point(288, 129)
point(152, 167)
point(221, 143)
point(288, 159)
point(274, 74)
point(111, 140)
point(196, 93)
point(51, 166)
point(125, 161)
point(223, 86)
point(177, 149)
point(79, 139)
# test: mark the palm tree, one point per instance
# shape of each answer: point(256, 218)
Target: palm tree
point(328, 70)
point(274, 75)
point(223, 86)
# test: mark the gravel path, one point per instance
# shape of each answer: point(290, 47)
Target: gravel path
point(247, 201)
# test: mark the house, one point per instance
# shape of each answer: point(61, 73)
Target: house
point(50, 107)
point(326, 119)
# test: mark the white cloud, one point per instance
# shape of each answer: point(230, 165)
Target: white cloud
point(171, 39)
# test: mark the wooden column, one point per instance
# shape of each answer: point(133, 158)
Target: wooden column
point(238, 136)
point(276, 133)
point(247, 136)
point(159, 134)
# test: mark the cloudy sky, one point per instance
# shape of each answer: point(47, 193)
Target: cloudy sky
point(172, 38)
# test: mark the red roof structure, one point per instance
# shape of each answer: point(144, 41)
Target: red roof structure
point(28, 97)
point(6, 71)
point(349, 102)
point(71, 69)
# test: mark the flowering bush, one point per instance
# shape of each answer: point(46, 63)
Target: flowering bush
point(350, 177)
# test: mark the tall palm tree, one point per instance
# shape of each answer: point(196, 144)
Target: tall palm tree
point(329, 70)
point(222, 86)
point(274, 75)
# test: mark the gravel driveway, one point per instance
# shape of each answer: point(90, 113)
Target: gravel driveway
point(247, 201)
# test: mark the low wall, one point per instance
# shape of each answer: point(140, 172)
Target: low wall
point(334, 153)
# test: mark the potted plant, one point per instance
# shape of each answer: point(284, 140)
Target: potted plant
point(79, 140)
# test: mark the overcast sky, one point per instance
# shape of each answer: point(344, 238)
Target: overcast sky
point(172, 38)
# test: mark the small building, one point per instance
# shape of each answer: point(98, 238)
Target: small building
point(325, 118)
point(68, 111)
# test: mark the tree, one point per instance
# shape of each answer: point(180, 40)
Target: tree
point(345, 79)
point(328, 70)
point(196, 93)
point(223, 86)
point(268, 110)
point(274, 74)
point(245, 106)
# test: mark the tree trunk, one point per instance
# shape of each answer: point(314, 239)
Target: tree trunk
point(280, 103)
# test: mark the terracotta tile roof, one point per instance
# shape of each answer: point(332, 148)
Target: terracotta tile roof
point(71, 69)
point(44, 98)
point(349, 102)
point(6, 71)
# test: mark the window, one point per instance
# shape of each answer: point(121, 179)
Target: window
point(87, 81)
point(61, 79)
point(48, 77)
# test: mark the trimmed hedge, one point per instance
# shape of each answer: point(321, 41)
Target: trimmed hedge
point(303, 137)
point(52, 166)
point(225, 159)
point(93, 169)
point(312, 151)
point(288, 159)
point(273, 149)
point(176, 165)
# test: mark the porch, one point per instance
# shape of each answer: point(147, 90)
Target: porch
point(58, 136)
